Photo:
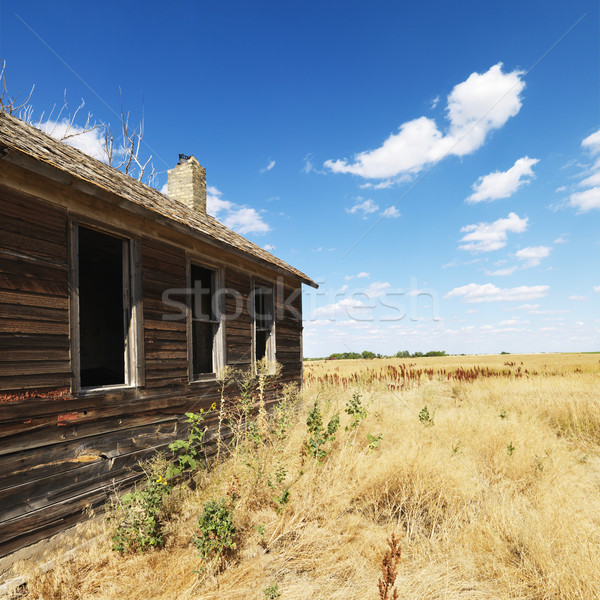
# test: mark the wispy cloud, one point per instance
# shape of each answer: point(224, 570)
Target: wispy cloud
point(269, 166)
point(589, 199)
point(376, 289)
point(475, 107)
point(346, 307)
point(382, 185)
point(309, 166)
point(503, 184)
point(363, 207)
point(501, 272)
point(486, 237)
point(488, 292)
point(459, 263)
point(391, 212)
point(532, 255)
point(361, 275)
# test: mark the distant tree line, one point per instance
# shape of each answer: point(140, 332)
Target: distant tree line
point(367, 354)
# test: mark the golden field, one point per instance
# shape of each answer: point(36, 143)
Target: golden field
point(493, 491)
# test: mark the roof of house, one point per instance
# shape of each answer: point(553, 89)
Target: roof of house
point(18, 135)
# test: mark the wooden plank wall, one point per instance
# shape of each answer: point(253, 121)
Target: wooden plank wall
point(60, 454)
point(238, 324)
point(288, 334)
point(34, 300)
point(165, 341)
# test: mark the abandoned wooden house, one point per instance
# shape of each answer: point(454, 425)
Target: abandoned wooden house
point(119, 308)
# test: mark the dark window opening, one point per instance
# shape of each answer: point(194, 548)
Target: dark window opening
point(103, 311)
point(261, 344)
point(263, 322)
point(204, 322)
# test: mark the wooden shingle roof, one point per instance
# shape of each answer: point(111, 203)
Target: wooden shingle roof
point(26, 139)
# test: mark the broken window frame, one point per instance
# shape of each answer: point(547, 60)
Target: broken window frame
point(218, 350)
point(265, 326)
point(133, 359)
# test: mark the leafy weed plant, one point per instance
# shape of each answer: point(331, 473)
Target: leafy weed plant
point(426, 417)
point(356, 410)
point(272, 592)
point(188, 452)
point(318, 435)
point(139, 515)
point(217, 532)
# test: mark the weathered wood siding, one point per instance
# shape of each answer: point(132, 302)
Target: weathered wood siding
point(238, 327)
point(61, 453)
point(165, 342)
point(34, 299)
point(288, 333)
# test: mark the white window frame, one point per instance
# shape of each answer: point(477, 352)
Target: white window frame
point(219, 339)
point(271, 347)
point(133, 360)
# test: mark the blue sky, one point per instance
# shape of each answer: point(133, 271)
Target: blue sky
point(434, 166)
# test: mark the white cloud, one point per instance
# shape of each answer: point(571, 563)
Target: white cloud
point(502, 272)
point(488, 292)
point(246, 220)
point(502, 184)
point(239, 218)
point(475, 107)
point(391, 212)
point(308, 164)
point(269, 166)
point(532, 256)
point(90, 142)
point(214, 203)
point(586, 200)
point(592, 180)
point(597, 289)
point(485, 237)
point(589, 199)
point(460, 263)
point(592, 142)
point(268, 247)
point(382, 185)
point(513, 322)
point(350, 307)
point(435, 102)
point(361, 275)
point(366, 207)
point(577, 298)
point(376, 289)
point(561, 240)
point(525, 307)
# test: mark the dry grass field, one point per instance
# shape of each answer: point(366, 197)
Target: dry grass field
point(486, 468)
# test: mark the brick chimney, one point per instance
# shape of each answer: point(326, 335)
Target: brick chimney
point(187, 183)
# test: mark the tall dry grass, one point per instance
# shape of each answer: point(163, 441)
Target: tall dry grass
point(498, 498)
